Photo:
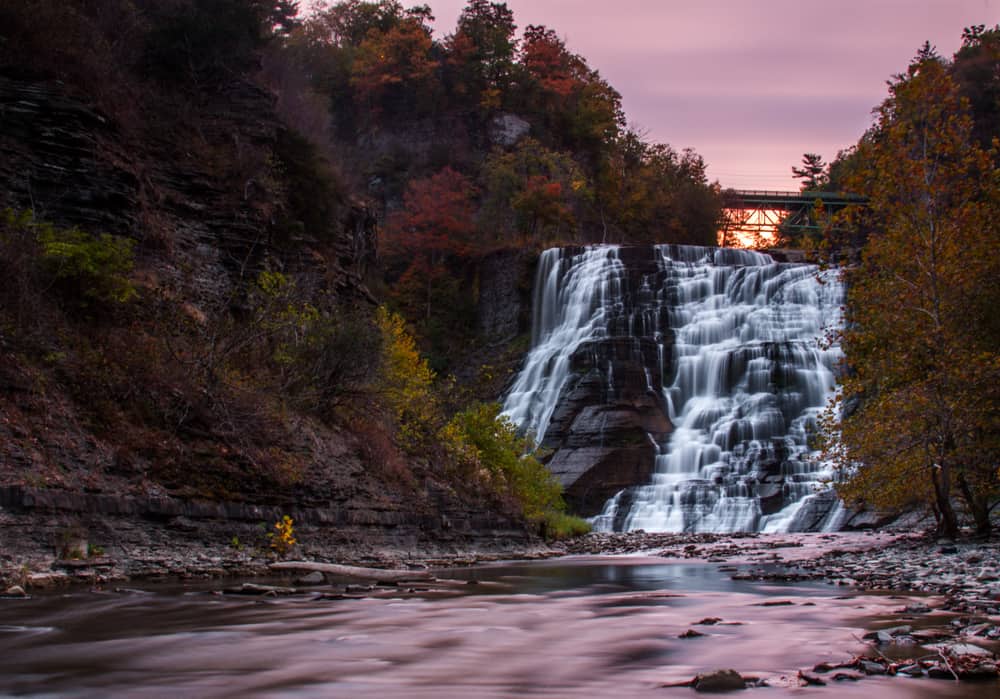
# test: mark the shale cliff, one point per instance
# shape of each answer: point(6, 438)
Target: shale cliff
point(165, 424)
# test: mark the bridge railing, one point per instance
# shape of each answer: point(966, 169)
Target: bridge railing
point(786, 196)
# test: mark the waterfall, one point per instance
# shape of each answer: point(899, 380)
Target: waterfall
point(742, 370)
point(574, 301)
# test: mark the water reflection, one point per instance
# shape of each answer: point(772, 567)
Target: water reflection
point(577, 628)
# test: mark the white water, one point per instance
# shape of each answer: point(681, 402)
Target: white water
point(748, 376)
point(574, 301)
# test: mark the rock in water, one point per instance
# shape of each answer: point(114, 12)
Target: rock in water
point(719, 681)
point(313, 578)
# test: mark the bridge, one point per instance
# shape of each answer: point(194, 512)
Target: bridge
point(759, 214)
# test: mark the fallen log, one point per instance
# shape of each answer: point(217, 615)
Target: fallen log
point(376, 574)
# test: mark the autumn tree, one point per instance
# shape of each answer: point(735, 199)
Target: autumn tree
point(481, 53)
point(650, 193)
point(923, 382)
point(531, 191)
point(437, 218)
point(394, 70)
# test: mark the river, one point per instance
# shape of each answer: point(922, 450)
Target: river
point(572, 627)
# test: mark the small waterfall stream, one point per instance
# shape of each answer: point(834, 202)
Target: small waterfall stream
point(741, 370)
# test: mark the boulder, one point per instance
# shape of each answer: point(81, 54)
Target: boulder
point(719, 681)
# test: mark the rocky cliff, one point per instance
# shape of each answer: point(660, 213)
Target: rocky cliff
point(104, 424)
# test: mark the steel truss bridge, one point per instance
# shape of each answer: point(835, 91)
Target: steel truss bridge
point(760, 213)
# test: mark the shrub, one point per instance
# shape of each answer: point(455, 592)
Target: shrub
point(559, 525)
point(283, 536)
point(84, 270)
point(87, 268)
point(405, 385)
point(483, 440)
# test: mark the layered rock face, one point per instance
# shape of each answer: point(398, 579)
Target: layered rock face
point(204, 209)
point(677, 386)
point(590, 390)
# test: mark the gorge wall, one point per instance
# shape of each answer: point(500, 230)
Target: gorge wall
point(676, 387)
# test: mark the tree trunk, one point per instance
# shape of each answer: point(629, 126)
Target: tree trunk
point(978, 507)
point(948, 524)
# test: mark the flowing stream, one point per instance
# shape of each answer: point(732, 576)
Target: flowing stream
point(743, 368)
point(577, 627)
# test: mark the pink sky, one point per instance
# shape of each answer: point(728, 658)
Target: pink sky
point(749, 84)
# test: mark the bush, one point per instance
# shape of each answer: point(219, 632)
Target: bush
point(483, 440)
point(559, 525)
point(84, 270)
point(87, 268)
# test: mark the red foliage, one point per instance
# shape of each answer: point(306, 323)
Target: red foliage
point(437, 219)
point(547, 61)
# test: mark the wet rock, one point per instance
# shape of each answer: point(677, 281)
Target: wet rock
point(870, 667)
point(880, 637)
point(719, 681)
point(846, 676)
point(959, 649)
point(691, 633)
point(985, 670)
point(15, 591)
point(313, 578)
point(811, 679)
point(708, 621)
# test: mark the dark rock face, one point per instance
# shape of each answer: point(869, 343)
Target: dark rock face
point(53, 158)
point(602, 433)
point(71, 165)
point(504, 294)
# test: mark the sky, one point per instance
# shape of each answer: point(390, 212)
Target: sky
point(751, 85)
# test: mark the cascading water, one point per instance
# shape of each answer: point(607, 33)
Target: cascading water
point(574, 301)
point(741, 370)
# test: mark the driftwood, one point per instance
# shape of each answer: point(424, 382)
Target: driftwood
point(376, 574)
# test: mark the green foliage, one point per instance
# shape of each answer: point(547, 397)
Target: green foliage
point(921, 333)
point(87, 267)
point(405, 385)
point(85, 270)
point(812, 173)
point(315, 192)
point(485, 442)
point(530, 193)
point(200, 40)
point(559, 525)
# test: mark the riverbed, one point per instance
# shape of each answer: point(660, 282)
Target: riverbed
point(579, 626)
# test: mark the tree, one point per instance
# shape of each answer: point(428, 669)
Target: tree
point(205, 39)
point(977, 71)
point(481, 52)
point(812, 173)
point(436, 224)
point(921, 337)
point(531, 191)
point(393, 70)
point(405, 385)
